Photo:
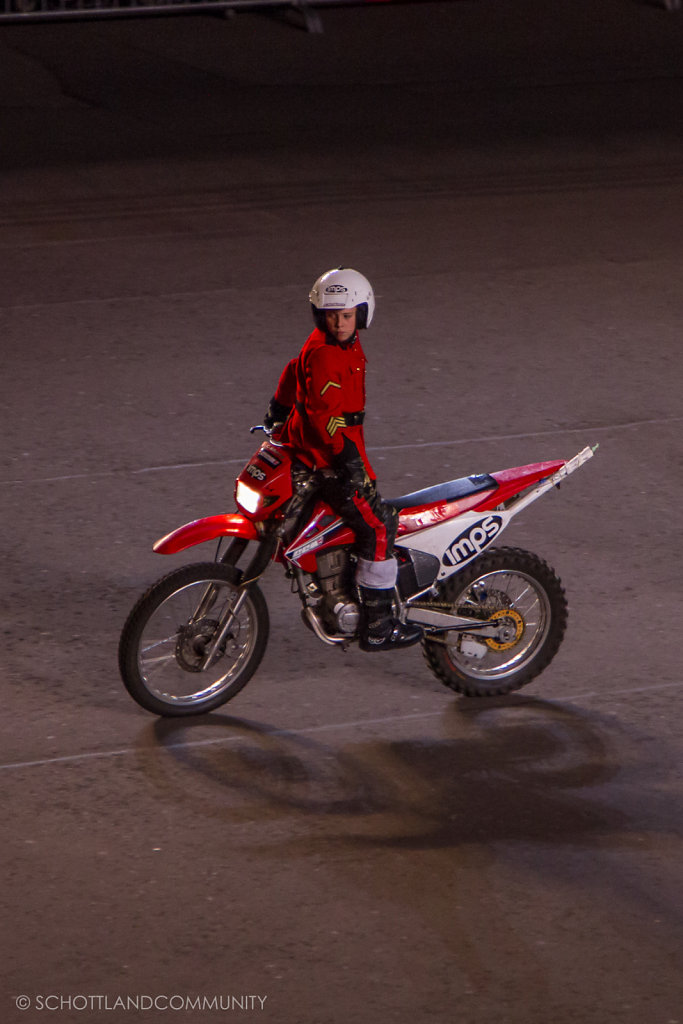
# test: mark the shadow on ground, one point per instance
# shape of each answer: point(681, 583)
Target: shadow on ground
point(509, 769)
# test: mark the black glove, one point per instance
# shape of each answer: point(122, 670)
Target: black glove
point(350, 469)
point(276, 415)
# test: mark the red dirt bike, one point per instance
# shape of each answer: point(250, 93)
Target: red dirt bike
point(493, 617)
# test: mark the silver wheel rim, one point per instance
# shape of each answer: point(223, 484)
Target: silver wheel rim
point(168, 645)
point(519, 592)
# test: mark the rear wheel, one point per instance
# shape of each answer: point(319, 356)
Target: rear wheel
point(524, 598)
point(165, 651)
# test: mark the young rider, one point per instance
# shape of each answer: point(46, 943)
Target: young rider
point(318, 408)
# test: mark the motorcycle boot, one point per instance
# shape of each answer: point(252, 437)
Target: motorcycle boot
point(379, 629)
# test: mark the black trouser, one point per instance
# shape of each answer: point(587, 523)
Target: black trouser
point(373, 522)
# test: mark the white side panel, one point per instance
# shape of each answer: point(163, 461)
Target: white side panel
point(457, 541)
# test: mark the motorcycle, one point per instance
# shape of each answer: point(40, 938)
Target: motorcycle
point(492, 617)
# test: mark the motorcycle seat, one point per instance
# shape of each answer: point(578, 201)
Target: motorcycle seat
point(450, 491)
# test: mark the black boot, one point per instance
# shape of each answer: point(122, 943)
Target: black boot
point(379, 630)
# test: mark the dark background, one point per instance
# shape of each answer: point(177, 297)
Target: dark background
point(348, 838)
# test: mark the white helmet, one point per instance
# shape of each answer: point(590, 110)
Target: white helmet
point(342, 288)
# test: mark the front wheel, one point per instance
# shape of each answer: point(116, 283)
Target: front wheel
point(524, 599)
point(193, 641)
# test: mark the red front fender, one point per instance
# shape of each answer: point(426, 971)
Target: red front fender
point(233, 525)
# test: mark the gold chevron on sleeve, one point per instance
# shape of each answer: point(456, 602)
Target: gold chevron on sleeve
point(330, 384)
point(334, 423)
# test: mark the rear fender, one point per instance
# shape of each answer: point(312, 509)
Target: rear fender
point(513, 481)
point(232, 525)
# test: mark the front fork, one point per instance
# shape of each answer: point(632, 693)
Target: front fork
point(265, 552)
point(233, 553)
point(223, 627)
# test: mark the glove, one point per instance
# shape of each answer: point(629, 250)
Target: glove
point(276, 415)
point(350, 469)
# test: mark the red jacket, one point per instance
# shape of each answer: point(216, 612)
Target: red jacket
point(325, 382)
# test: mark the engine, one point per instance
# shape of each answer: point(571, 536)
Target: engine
point(338, 607)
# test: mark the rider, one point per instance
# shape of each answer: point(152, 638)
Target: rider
point(318, 408)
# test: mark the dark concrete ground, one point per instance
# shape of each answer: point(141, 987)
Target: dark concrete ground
point(347, 841)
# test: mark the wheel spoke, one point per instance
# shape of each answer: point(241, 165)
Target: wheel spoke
point(164, 646)
point(183, 681)
point(518, 592)
point(158, 643)
point(517, 600)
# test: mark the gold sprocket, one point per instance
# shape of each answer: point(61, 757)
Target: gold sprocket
point(516, 620)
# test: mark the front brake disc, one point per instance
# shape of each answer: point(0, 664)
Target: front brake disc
point(192, 643)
